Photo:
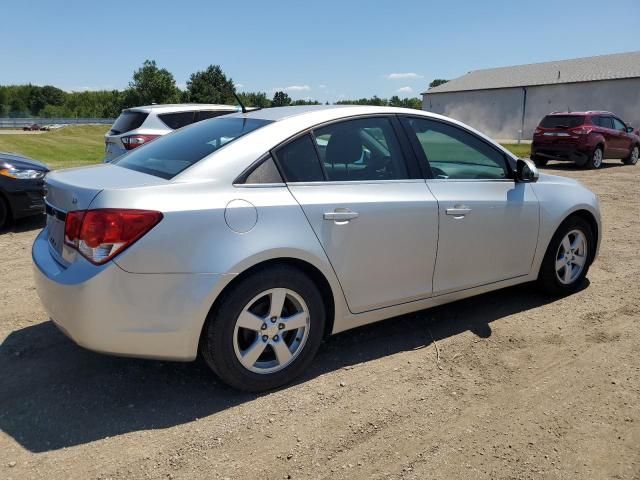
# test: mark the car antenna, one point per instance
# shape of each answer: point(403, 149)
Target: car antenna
point(244, 109)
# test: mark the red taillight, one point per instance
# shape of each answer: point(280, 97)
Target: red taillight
point(581, 130)
point(537, 131)
point(133, 141)
point(99, 235)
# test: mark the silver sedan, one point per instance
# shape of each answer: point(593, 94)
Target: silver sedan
point(251, 237)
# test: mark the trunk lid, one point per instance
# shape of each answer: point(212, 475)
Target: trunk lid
point(75, 189)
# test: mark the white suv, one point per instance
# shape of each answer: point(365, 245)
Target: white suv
point(138, 125)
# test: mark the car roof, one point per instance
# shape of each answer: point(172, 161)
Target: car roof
point(182, 107)
point(276, 114)
point(588, 112)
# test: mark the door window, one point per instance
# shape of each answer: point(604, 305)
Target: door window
point(363, 149)
point(618, 125)
point(206, 114)
point(606, 122)
point(177, 120)
point(453, 153)
point(298, 161)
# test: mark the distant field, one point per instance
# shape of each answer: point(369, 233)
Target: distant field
point(75, 146)
point(71, 146)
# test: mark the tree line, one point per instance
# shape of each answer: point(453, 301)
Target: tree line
point(152, 84)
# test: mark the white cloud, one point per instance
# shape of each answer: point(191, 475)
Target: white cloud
point(322, 86)
point(404, 76)
point(405, 90)
point(239, 85)
point(293, 88)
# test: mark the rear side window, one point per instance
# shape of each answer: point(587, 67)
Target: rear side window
point(169, 155)
point(363, 149)
point(562, 121)
point(298, 161)
point(128, 121)
point(206, 114)
point(265, 172)
point(606, 122)
point(177, 120)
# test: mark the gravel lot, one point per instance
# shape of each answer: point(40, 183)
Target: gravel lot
point(525, 387)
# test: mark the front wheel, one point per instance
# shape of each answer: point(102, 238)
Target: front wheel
point(265, 330)
point(595, 159)
point(568, 257)
point(632, 159)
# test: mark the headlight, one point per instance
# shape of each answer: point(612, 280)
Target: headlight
point(22, 174)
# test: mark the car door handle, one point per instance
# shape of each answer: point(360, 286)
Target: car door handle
point(341, 215)
point(458, 211)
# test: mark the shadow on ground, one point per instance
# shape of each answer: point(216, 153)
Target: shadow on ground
point(54, 394)
point(568, 166)
point(25, 224)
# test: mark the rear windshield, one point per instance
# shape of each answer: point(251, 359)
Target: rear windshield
point(169, 155)
point(562, 121)
point(128, 121)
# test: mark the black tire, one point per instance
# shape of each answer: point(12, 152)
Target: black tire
point(592, 161)
point(540, 161)
point(631, 159)
point(5, 214)
point(216, 344)
point(547, 278)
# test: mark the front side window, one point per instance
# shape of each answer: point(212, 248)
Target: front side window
point(363, 149)
point(169, 155)
point(453, 153)
point(177, 120)
point(619, 125)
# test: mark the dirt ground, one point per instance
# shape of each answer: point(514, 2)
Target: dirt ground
point(525, 387)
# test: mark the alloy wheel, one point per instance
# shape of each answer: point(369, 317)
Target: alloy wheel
point(271, 330)
point(571, 257)
point(635, 153)
point(597, 158)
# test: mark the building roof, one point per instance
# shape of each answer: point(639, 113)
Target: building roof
point(588, 69)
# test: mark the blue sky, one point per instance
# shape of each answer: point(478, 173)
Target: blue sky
point(324, 50)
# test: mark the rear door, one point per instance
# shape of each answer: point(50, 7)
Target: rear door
point(367, 203)
point(488, 222)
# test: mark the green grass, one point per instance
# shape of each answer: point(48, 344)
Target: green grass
point(71, 146)
point(522, 150)
point(75, 146)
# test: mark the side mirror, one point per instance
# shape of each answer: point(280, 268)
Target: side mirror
point(629, 129)
point(526, 171)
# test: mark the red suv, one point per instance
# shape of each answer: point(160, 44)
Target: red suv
point(586, 138)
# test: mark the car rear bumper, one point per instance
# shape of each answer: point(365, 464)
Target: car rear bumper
point(560, 152)
point(109, 310)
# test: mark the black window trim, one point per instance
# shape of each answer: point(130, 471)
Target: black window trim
point(411, 162)
point(193, 117)
point(241, 180)
point(422, 156)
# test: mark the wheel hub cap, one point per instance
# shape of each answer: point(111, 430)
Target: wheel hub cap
point(271, 330)
point(571, 257)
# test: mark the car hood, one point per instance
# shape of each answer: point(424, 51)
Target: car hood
point(19, 161)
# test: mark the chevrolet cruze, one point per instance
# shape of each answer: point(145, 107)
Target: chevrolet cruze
point(251, 237)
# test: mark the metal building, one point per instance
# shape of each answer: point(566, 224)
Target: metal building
point(509, 102)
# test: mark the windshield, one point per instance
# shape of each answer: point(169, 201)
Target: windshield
point(562, 121)
point(169, 155)
point(128, 121)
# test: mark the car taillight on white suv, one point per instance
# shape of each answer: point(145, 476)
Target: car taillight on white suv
point(99, 235)
point(133, 141)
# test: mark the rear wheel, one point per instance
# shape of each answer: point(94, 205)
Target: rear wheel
point(568, 257)
point(632, 159)
point(595, 159)
point(540, 161)
point(266, 330)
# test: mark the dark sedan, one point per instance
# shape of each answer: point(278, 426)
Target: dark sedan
point(21, 187)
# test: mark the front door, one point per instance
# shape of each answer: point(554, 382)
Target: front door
point(488, 222)
point(375, 218)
